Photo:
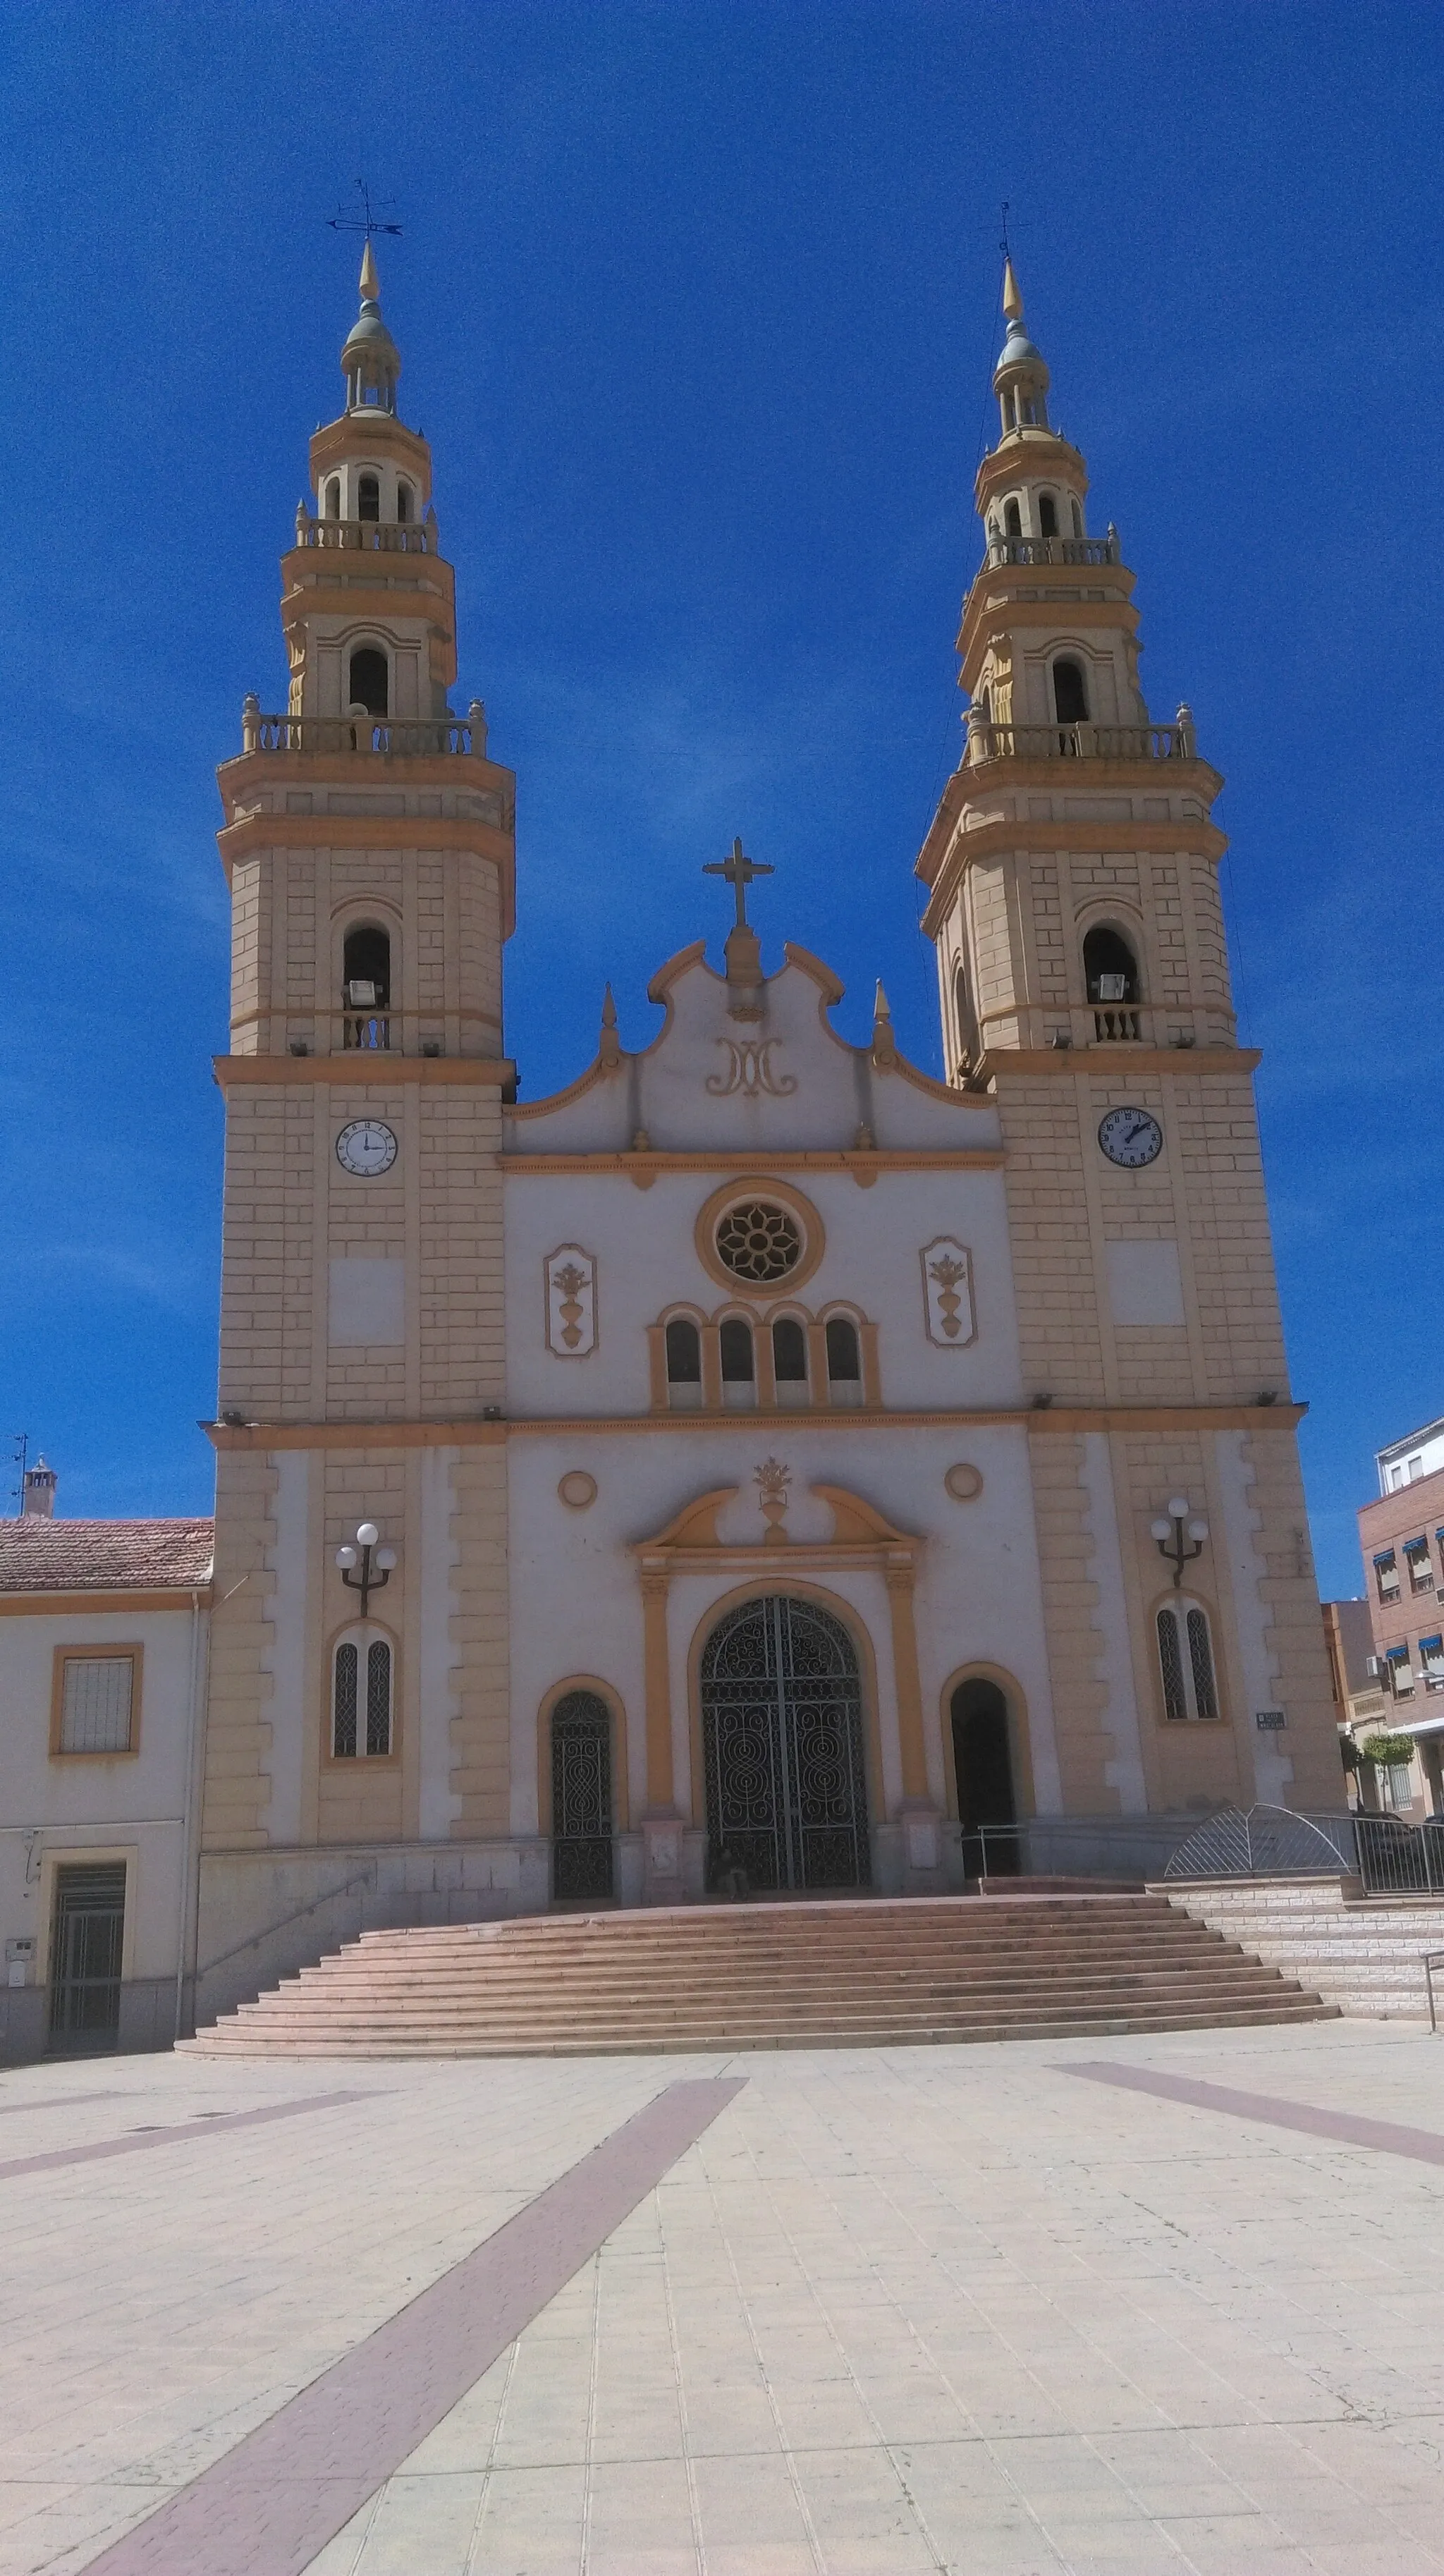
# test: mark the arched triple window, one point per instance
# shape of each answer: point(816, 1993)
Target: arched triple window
point(1047, 515)
point(366, 986)
point(684, 1364)
point(362, 1692)
point(369, 681)
point(844, 1360)
point(1185, 1661)
point(789, 1357)
point(368, 497)
point(739, 1363)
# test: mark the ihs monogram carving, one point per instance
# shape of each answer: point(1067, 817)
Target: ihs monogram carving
point(750, 1070)
point(948, 1293)
point(571, 1295)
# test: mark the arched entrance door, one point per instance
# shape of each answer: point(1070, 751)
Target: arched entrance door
point(782, 1749)
point(983, 1766)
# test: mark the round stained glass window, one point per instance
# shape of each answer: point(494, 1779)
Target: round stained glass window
point(755, 1241)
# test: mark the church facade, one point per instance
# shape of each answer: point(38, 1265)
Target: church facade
point(760, 1465)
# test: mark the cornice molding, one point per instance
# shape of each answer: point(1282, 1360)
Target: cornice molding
point(364, 1070)
point(1110, 1060)
point(1035, 1420)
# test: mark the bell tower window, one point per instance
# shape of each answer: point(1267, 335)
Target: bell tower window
point(1070, 697)
point(333, 497)
point(1012, 519)
point(1047, 515)
point(368, 498)
point(1110, 972)
point(403, 503)
point(366, 987)
point(370, 681)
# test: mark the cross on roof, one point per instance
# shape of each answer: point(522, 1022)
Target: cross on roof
point(739, 872)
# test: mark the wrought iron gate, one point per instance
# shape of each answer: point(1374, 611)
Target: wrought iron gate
point(782, 1747)
point(581, 1796)
point(85, 1954)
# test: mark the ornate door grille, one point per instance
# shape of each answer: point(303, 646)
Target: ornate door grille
point(581, 1796)
point(782, 1748)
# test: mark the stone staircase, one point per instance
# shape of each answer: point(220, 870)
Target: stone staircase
point(834, 1973)
point(1363, 1953)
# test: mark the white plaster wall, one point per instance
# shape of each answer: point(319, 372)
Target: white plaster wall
point(104, 1803)
point(576, 1603)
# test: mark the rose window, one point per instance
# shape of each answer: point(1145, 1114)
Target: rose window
point(755, 1241)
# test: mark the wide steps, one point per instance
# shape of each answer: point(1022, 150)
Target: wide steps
point(865, 1973)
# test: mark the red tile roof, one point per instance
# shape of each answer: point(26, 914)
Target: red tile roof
point(38, 1555)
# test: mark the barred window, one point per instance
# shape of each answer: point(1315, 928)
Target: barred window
point(97, 1704)
point(1185, 1657)
point(361, 1697)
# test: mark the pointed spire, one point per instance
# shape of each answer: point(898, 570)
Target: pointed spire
point(370, 362)
point(1012, 300)
point(884, 1044)
point(371, 283)
point(880, 1009)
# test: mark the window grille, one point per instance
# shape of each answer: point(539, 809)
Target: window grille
point(759, 1242)
point(581, 1796)
point(357, 1731)
point(1185, 1656)
point(96, 1704)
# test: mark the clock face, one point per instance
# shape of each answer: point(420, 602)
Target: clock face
point(1131, 1137)
point(366, 1147)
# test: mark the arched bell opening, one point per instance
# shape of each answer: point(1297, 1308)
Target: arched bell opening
point(782, 1750)
point(369, 681)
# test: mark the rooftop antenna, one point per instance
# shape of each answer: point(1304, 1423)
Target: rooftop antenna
point(366, 222)
point(21, 1458)
point(1003, 244)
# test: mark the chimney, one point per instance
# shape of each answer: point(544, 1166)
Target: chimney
point(38, 1502)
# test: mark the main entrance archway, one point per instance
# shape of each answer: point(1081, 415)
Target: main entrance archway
point(782, 1748)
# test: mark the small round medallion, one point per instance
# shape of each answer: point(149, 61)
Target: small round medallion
point(367, 1147)
point(1130, 1138)
point(964, 1483)
point(577, 1489)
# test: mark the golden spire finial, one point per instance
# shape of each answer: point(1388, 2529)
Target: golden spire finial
point(370, 282)
point(1012, 300)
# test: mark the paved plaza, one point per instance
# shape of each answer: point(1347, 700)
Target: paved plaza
point(956, 2308)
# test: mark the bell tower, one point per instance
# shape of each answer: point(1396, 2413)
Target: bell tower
point(368, 846)
point(1073, 899)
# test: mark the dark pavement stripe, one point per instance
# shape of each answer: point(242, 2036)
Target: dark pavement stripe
point(1346, 2128)
point(62, 2101)
point(270, 2505)
point(200, 2127)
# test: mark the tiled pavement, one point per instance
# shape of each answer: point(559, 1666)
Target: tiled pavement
point(896, 2310)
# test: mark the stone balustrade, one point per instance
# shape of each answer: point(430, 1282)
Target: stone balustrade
point(428, 737)
point(1051, 550)
point(988, 742)
point(369, 536)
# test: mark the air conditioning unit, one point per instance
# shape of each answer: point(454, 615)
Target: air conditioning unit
point(361, 996)
point(1371, 1667)
point(1112, 988)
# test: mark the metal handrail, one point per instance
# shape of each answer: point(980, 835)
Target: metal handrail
point(1432, 1959)
point(359, 1878)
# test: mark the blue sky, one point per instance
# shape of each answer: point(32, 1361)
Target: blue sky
point(698, 306)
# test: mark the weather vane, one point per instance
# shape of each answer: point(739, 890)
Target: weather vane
point(365, 222)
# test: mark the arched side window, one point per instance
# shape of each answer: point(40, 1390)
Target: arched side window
point(739, 1366)
point(1070, 694)
point(1110, 972)
point(684, 1364)
point(1047, 515)
point(1012, 519)
point(362, 1691)
point(333, 497)
point(581, 1751)
point(366, 986)
point(369, 681)
point(403, 503)
point(368, 497)
point(969, 1045)
point(844, 1360)
point(789, 1354)
point(1185, 1660)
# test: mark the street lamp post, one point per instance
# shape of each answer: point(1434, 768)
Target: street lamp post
point(1180, 1539)
point(375, 1563)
